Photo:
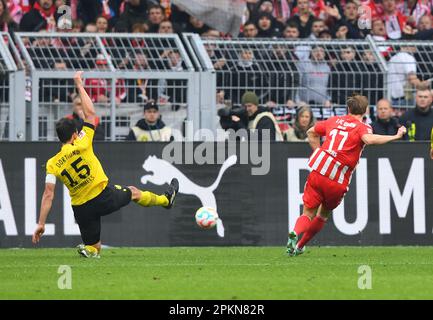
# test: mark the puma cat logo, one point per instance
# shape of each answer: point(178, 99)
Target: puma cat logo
point(161, 172)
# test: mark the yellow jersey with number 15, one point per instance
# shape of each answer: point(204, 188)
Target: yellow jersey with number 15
point(78, 168)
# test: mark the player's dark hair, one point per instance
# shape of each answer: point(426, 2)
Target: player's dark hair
point(357, 104)
point(65, 128)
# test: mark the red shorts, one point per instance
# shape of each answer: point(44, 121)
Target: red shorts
point(321, 190)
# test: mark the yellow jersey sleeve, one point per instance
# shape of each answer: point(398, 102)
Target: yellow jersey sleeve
point(431, 138)
point(50, 168)
point(85, 137)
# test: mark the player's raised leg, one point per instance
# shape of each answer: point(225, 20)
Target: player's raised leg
point(149, 199)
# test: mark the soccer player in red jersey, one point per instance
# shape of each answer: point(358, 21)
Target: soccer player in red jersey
point(332, 166)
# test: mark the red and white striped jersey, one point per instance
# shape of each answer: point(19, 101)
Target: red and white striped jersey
point(338, 156)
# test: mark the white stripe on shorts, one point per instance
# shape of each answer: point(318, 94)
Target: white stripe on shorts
point(326, 166)
point(343, 172)
point(318, 160)
point(334, 170)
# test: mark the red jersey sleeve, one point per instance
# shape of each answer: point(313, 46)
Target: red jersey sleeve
point(364, 129)
point(320, 128)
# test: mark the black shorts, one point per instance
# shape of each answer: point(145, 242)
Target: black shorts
point(88, 215)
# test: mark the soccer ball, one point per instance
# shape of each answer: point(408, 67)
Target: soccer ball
point(206, 217)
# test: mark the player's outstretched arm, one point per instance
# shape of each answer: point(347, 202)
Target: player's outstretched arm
point(88, 108)
point(382, 139)
point(313, 138)
point(47, 201)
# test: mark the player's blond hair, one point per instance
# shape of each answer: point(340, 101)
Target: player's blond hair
point(357, 104)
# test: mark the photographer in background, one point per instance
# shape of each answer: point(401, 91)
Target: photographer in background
point(234, 118)
point(251, 117)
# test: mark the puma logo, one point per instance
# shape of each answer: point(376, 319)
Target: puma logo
point(161, 172)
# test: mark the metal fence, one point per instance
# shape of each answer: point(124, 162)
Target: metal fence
point(12, 105)
point(122, 73)
point(190, 77)
point(408, 64)
point(286, 74)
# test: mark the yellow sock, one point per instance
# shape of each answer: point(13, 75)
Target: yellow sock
point(149, 199)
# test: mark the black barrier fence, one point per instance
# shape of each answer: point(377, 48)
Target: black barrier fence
point(389, 202)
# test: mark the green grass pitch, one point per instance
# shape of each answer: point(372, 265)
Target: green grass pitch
point(219, 273)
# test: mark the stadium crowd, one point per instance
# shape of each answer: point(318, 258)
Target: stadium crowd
point(281, 78)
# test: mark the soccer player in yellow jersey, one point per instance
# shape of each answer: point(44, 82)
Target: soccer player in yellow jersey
point(91, 194)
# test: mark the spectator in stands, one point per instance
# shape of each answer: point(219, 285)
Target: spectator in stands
point(303, 18)
point(141, 90)
point(386, 123)
point(7, 24)
point(419, 120)
point(259, 118)
point(378, 30)
point(151, 127)
point(378, 33)
point(267, 6)
point(220, 65)
point(399, 66)
point(425, 23)
point(196, 26)
point(139, 27)
point(412, 83)
point(283, 75)
point(88, 10)
point(304, 120)
point(395, 21)
point(315, 73)
point(350, 20)
point(423, 32)
point(171, 92)
point(266, 26)
point(41, 17)
point(77, 25)
point(250, 30)
point(100, 89)
point(291, 31)
point(91, 28)
point(413, 10)
point(246, 73)
point(155, 17)
point(78, 116)
point(345, 76)
point(317, 27)
point(371, 77)
point(166, 27)
point(101, 24)
point(135, 12)
point(325, 35)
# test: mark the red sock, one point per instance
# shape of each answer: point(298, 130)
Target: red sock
point(302, 224)
point(315, 226)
